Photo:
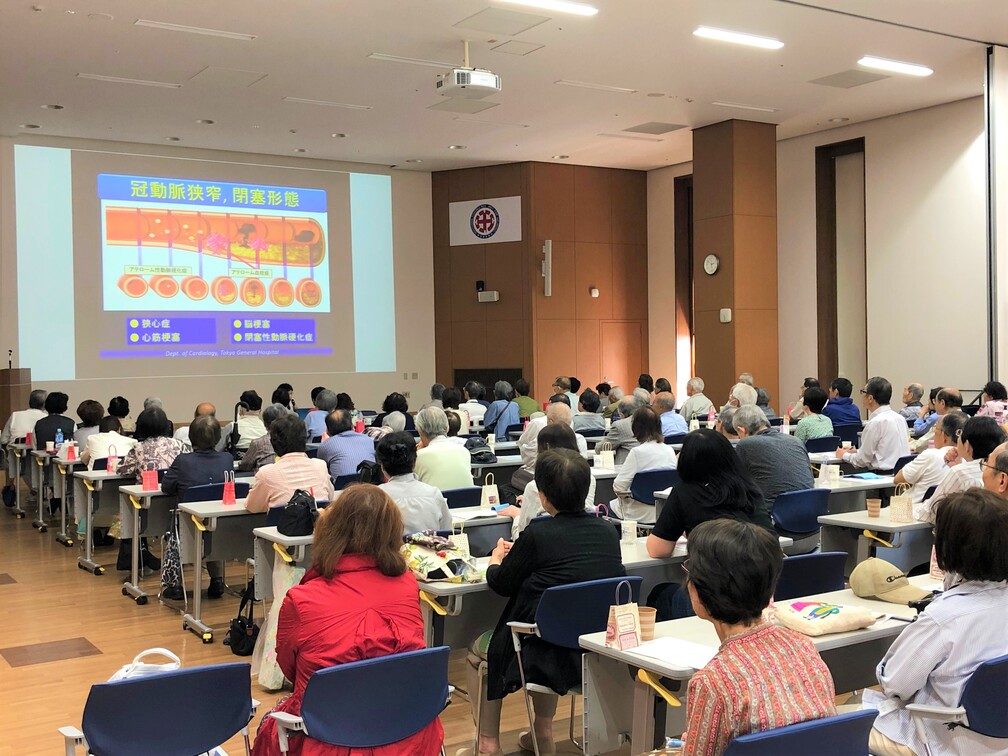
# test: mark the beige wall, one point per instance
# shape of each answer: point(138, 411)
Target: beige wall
point(925, 247)
point(414, 285)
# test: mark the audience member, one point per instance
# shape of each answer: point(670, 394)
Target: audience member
point(662, 385)
point(575, 385)
point(620, 434)
point(394, 422)
point(274, 484)
point(928, 468)
point(452, 400)
point(588, 417)
point(324, 402)
point(742, 394)
point(646, 382)
point(651, 453)
point(725, 425)
point(503, 412)
point(474, 403)
point(107, 442)
point(435, 396)
point(250, 425)
point(927, 414)
point(778, 462)
point(557, 413)
point(643, 396)
point(345, 402)
point(603, 389)
point(205, 465)
point(562, 385)
point(840, 408)
point(764, 675)
point(90, 413)
point(345, 449)
point(995, 471)
point(571, 546)
point(119, 407)
point(527, 406)
point(697, 406)
point(912, 395)
point(394, 402)
point(358, 601)
point(763, 402)
point(671, 421)
point(290, 404)
point(797, 410)
point(260, 451)
point(280, 396)
point(747, 379)
point(932, 659)
point(615, 396)
point(22, 422)
point(440, 462)
point(203, 409)
point(977, 439)
point(994, 400)
point(945, 401)
point(47, 427)
point(884, 438)
point(713, 484)
point(813, 423)
point(454, 426)
point(423, 507)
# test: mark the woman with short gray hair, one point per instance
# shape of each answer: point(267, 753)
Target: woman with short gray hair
point(440, 462)
point(503, 412)
point(260, 451)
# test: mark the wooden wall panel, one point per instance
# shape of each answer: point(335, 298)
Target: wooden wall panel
point(502, 181)
point(589, 353)
point(630, 282)
point(593, 266)
point(466, 184)
point(469, 345)
point(715, 354)
point(439, 199)
point(553, 201)
point(444, 359)
point(629, 207)
point(592, 205)
point(466, 268)
point(561, 303)
point(755, 262)
point(506, 343)
point(442, 287)
point(556, 354)
point(712, 185)
point(756, 348)
point(622, 352)
point(713, 236)
point(503, 266)
point(755, 170)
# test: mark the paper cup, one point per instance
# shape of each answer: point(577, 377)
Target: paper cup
point(874, 507)
point(845, 444)
point(50, 446)
point(647, 621)
point(628, 531)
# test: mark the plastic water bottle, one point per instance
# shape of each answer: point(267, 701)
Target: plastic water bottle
point(786, 425)
point(59, 436)
point(710, 418)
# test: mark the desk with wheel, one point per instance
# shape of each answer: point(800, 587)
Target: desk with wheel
point(63, 490)
point(17, 458)
point(232, 525)
point(44, 465)
point(616, 703)
point(904, 544)
point(100, 490)
point(140, 499)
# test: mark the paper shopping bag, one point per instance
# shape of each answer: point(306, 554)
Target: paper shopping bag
point(605, 457)
point(112, 461)
point(71, 452)
point(489, 497)
point(623, 629)
point(460, 539)
point(148, 478)
point(229, 488)
point(901, 505)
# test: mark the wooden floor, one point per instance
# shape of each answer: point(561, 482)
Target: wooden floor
point(66, 629)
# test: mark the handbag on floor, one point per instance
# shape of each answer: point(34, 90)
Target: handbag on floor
point(172, 579)
point(243, 631)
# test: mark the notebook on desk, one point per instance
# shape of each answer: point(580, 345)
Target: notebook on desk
point(677, 652)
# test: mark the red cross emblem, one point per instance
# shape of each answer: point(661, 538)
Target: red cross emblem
point(484, 221)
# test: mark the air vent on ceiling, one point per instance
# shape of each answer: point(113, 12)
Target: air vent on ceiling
point(848, 79)
point(654, 127)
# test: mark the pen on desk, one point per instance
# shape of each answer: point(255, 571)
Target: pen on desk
point(908, 620)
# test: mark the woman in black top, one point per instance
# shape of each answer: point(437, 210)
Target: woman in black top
point(570, 547)
point(714, 484)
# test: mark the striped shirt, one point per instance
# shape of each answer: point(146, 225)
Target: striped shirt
point(764, 678)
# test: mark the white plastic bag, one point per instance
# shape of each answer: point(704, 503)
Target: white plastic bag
point(264, 659)
point(138, 668)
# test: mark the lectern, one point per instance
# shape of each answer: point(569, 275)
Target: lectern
point(15, 386)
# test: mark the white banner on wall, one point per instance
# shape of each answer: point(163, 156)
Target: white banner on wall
point(487, 221)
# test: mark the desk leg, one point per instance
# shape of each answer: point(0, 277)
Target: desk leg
point(63, 537)
point(835, 538)
point(37, 469)
point(642, 734)
point(132, 588)
point(608, 704)
point(18, 511)
point(87, 561)
point(193, 622)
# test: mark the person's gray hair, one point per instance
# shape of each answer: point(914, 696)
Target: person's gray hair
point(727, 419)
point(643, 396)
point(272, 413)
point(746, 378)
point(916, 391)
point(153, 401)
point(745, 394)
point(665, 402)
point(36, 399)
point(751, 418)
point(436, 391)
point(695, 383)
point(503, 390)
point(396, 421)
point(326, 400)
point(431, 422)
point(616, 395)
point(559, 413)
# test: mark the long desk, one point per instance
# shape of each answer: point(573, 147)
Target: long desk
point(99, 489)
point(617, 703)
point(911, 542)
point(139, 499)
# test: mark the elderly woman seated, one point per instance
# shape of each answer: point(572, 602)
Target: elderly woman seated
point(423, 506)
point(440, 462)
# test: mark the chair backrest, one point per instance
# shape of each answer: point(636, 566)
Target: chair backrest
point(806, 574)
point(593, 432)
point(463, 497)
point(567, 612)
point(516, 428)
point(848, 432)
point(675, 438)
point(824, 444)
point(984, 697)
point(369, 413)
point(206, 706)
point(799, 511)
point(316, 439)
point(342, 481)
point(311, 452)
point(212, 492)
point(340, 703)
point(929, 492)
point(99, 464)
point(902, 462)
point(644, 484)
point(302, 412)
point(776, 421)
point(842, 735)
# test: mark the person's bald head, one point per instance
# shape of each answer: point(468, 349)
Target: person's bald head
point(995, 471)
point(664, 402)
point(205, 409)
point(559, 414)
point(947, 400)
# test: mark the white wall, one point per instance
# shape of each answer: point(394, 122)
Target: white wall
point(414, 298)
point(925, 239)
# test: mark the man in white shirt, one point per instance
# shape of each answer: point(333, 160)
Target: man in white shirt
point(995, 471)
point(23, 421)
point(528, 444)
point(884, 438)
point(203, 409)
point(697, 405)
point(929, 468)
point(979, 437)
point(250, 424)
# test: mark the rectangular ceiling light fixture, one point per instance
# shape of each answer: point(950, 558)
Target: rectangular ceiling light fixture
point(894, 66)
point(194, 30)
point(738, 38)
point(121, 80)
point(589, 85)
point(412, 61)
point(560, 6)
point(743, 106)
point(326, 103)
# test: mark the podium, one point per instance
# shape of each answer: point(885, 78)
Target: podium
point(15, 386)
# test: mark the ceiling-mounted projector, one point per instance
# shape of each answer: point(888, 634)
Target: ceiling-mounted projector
point(468, 82)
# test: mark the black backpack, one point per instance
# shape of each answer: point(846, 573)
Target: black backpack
point(479, 449)
point(243, 631)
point(370, 472)
point(297, 518)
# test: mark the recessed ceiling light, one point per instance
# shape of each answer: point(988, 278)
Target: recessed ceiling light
point(560, 157)
point(412, 61)
point(194, 30)
point(122, 80)
point(839, 120)
point(206, 121)
point(655, 94)
point(30, 126)
point(339, 135)
point(743, 106)
point(71, 12)
point(300, 149)
point(456, 146)
point(894, 66)
point(173, 139)
point(326, 103)
point(738, 38)
point(255, 125)
point(414, 160)
point(52, 107)
point(560, 6)
point(590, 85)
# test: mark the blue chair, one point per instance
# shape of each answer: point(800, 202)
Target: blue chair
point(564, 614)
point(316, 439)
point(208, 705)
point(516, 428)
point(463, 497)
point(981, 707)
point(340, 703)
point(593, 432)
point(369, 413)
point(848, 432)
point(929, 492)
point(805, 574)
point(903, 462)
point(842, 735)
point(302, 412)
point(797, 513)
point(342, 481)
point(212, 492)
point(824, 444)
point(675, 438)
point(776, 422)
point(645, 483)
point(312, 452)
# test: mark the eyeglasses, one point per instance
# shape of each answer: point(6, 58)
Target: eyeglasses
point(995, 468)
point(864, 392)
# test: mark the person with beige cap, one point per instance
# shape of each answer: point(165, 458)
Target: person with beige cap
point(933, 658)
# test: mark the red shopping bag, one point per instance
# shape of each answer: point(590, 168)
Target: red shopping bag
point(148, 478)
point(229, 489)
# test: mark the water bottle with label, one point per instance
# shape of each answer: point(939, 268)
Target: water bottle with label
point(710, 418)
point(59, 436)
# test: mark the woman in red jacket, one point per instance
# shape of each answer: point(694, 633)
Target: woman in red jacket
point(358, 601)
